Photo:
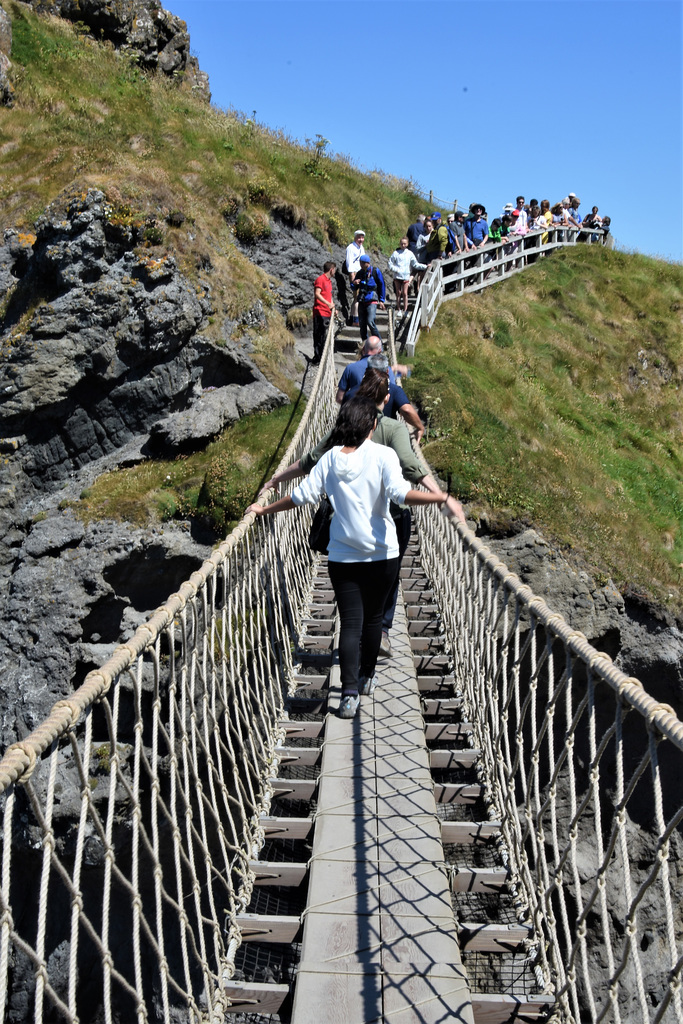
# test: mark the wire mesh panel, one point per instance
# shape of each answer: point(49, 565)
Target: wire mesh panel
point(583, 768)
point(130, 816)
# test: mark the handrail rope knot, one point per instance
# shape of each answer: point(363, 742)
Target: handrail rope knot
point(29, 751)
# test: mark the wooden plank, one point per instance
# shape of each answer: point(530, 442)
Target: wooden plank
point(424, 662)
point(446, 730)
point(457, 793)
point(286, 828)
point(294, 789)
point(413, 573)
point(324, 642)
point(494, 1008)
point(265, 928)
point(322, 623)
point(468, 831)
point(424, 627)
point(438, 706)
point(492, 938)
point(427, 683)
point(478, 879)
point(252, 998)
point(416, 595)
point(298, 755)
point(312, 683)
point(426, 643)
point(464, 758)
point(302, 730)
point(326, 608)
point(278, 872)
point(419, 611)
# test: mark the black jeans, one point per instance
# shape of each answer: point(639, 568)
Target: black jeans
point(361, 589)
point(403, 523)
point(320, 327)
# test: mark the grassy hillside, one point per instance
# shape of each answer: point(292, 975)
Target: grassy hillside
point(555, 399)
point(82, 110)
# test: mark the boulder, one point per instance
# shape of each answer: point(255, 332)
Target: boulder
point(6, 87)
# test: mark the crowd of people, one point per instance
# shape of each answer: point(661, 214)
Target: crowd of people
point(431, 238)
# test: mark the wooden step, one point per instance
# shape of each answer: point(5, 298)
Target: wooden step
point(298, 755)
point(492, 1008)
point(324, 642)
point(457, 793)
point(321, 623)
point(419, 611)
point(427, 683)
point(416, 595)
point(412, 573)
point(286, 828)
point(277, 872)
point(325, 608)
point(477, 879)
point(254, 999)
point(492, 938)
point(426, 643)
point(317, 682)
point(294, 789)
point(426, 662)
point(426, 626)
point(301, 730)
point(441, 706)
point(464, 758)
point(442, 731)
point(265, 928)
point(461, 832)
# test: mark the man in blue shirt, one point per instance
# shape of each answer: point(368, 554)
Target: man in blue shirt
point(368, 285)
point(476, 228)
point(399, 403)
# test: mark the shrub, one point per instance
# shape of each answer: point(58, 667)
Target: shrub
point(290, 213)
point(232, 205)
point(262, 191)
point(249, 227)
point(299, 318)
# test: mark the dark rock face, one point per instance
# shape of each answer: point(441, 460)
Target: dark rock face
point(638, 644)
point(159, 40)
point(93, 585)
point(103, 364)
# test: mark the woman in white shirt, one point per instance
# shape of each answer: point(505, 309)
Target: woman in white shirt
point(402, 263)
point(360, 479)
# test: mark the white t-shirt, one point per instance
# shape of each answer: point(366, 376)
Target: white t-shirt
point(360, 485)
point(354, 251)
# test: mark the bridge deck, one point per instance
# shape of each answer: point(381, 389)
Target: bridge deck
point(379, 940)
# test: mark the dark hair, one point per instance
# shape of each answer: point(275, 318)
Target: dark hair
point(507, 219)
point(496, 223)
point(356, 419)
point(535, 210)
point(533, 202)
point(375, 385)
point(518, 199)
point(328, 266)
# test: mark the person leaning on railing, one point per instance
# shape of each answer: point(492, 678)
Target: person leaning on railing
point(359, 479)
point(393, 434)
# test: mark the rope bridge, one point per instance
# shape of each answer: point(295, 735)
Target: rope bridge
point(134, 815)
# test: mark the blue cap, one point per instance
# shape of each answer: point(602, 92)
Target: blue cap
point(365, 259)
point(436, 215)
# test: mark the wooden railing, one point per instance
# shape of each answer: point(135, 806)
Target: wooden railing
point(470, 272)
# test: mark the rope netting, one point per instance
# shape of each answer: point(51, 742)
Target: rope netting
point(130, 816)
point(583, 769)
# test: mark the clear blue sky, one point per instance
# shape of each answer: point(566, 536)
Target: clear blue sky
point(474, 100)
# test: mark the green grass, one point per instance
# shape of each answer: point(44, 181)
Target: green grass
point(84, 110)
point(554, 399)
point(215, 485)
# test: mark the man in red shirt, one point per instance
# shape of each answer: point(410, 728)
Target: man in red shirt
point(323, 308)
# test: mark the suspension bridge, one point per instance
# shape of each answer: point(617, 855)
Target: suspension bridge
point(193, 836)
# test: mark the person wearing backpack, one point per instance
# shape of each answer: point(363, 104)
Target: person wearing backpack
point(369, 286)
point(438, 240)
